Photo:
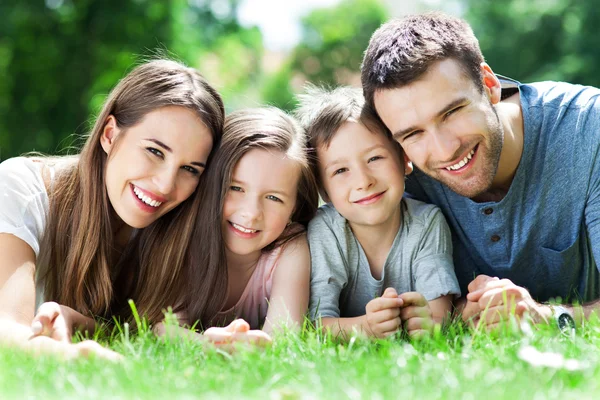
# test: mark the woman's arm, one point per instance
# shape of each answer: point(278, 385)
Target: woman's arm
point(290, 288)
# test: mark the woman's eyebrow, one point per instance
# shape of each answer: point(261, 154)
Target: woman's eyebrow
point(170, 150)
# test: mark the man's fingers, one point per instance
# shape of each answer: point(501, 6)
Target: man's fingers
point(489, 285)
point(413, 299)
point(500, 296)
point(479, 281)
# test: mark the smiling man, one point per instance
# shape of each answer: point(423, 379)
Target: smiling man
point(514, 167)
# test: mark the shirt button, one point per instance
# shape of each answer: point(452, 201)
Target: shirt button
point(495, 238)
point(488, 211)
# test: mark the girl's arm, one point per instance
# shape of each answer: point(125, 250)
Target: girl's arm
point(290, 288)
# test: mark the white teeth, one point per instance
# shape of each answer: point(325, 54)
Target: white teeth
point(241, 228)
point(146, 199)
point(462, 162)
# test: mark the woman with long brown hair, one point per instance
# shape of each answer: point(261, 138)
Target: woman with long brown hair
point(89, 232)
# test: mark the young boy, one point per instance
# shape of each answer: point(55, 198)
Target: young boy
point(379, 261)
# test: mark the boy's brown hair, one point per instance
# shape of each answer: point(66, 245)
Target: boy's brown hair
point(402, 50)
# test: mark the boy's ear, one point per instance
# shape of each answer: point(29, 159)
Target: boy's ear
point(408, 165)
point(109, 134)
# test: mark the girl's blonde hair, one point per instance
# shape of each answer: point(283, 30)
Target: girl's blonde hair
point(264, 128)
point(77, 262)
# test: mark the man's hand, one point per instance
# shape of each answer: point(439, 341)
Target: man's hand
point(498, 299)
point(416, 314)
point(383, 314)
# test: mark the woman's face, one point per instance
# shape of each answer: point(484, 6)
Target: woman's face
point(156, 164)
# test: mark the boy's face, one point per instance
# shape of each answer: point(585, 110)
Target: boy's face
point(363, 174)
point(447, 127)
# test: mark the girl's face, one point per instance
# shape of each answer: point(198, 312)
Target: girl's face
point(156, 164)
point(260, 200)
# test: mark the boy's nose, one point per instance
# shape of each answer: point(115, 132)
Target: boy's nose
point(364, 180)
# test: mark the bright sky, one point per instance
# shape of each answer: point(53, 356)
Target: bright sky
point(278, 20)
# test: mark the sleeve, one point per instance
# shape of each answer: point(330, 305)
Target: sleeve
point(23, 201)
point(433, 268)
point(592, 205)
point(328, 270)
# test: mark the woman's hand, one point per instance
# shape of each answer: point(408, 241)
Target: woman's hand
point(58, 322)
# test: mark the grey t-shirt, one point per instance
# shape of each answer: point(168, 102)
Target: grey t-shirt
point(420, 260)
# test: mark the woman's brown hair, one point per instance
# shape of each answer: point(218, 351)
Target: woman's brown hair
point(76, 259)
point(264, 128)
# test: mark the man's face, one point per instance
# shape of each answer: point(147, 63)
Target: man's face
point(447, 127)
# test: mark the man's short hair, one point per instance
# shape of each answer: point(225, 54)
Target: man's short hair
point(322, 111)
point(402, 50)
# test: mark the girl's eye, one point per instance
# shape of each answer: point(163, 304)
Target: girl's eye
point(235, 188)
point(191, 170)
point(155, 151)
point(375, 158)
point(274, 198)
point(339, 171)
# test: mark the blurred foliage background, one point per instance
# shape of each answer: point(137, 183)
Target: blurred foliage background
point(60, 58)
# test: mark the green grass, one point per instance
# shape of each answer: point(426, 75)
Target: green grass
point(458, 364)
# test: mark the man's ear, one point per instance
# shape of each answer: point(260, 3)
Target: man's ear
point(491, 83)
point(408, 165)
point(109, 134)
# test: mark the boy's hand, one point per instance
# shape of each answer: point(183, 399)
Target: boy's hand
point(416, 315)
point(383, 314)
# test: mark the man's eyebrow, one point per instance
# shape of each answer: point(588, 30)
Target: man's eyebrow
point(399, 134)
point(170, 150)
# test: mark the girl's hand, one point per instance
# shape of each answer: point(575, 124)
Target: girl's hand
point(236, 332)
point(58, 322)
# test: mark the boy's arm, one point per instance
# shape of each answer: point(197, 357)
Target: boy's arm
point(328, 273)
point(290, 289)
point(381, 320)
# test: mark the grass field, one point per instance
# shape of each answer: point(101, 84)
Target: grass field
point(460, 363)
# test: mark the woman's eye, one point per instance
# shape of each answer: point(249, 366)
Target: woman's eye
point(191, 170)
point(274, 198)
point(235, 188)
point(375, 158)
point(155, 151)
point(339, 171)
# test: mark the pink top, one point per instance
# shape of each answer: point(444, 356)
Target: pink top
point(254, 301)
point(253, 304)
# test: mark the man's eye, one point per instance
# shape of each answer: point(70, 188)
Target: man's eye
point(454, 110)
point(339, 171)
point(274, 198)
point(155, 151)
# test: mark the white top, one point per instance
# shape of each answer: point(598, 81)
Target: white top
point(24, 204)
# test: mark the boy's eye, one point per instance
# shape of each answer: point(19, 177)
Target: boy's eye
point(274, 198)
point(339, 171)
point(375, 158)
point(235, 188)
point(155, 151)
point(191, 170)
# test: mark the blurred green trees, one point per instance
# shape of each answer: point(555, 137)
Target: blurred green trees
point(60, 58)
point(539, 39)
